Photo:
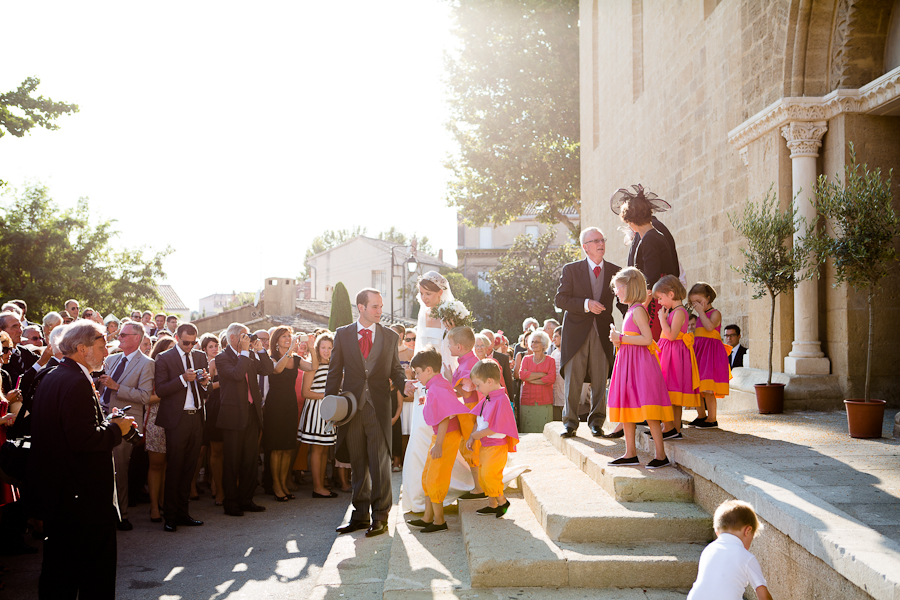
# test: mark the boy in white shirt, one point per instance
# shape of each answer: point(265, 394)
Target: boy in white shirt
point(726, 565)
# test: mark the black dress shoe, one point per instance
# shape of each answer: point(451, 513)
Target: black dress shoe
point(252, 507)
point(596, 431)
point(234, 512)
point(352, 526)
point(170, 527)
point(188, 522)
point(124, 525)
point(567, 433)
point(377, 528)
point(473, 496)
point(614, 435)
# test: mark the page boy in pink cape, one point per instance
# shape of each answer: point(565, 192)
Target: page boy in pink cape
point(461, 342)
point(441, 411)
point(496, 428)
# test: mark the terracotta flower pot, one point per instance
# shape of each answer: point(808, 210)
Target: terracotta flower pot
point(865, 419)
point(770, 398)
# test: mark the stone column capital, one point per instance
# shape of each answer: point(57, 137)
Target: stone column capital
point(804, 138)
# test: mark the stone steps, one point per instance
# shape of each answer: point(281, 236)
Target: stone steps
point(625, 484)
point(515, 551)
point(571, 507)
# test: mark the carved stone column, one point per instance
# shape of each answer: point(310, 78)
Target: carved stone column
point(806, 357)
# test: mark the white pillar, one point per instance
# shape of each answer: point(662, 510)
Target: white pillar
point(806, 357)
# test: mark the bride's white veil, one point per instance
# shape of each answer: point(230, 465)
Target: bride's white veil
point(446, 296)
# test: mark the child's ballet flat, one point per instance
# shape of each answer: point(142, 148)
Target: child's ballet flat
point(501, 510)
point(658, 463)
point(487, 510)
point(625, 461)
point(704, 424)
point(418, 523)
point(432, 528)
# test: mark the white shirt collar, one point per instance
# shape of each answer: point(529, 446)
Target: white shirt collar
point(84, 370)
point(128, 357)
point(592, 264)
point(360, 327)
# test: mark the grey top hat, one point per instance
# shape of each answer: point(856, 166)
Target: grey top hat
point(339, 409)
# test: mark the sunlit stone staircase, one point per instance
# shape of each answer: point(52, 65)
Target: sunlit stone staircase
point(583, 524)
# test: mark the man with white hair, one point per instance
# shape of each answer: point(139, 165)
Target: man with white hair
point(71, 448)
point(585, 296)
point(239, 366)
point(51, 320)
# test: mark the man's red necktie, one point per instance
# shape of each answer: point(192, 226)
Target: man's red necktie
point(597, 271)
point(365, 342)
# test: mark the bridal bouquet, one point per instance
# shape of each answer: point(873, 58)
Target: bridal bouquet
point(454, 314)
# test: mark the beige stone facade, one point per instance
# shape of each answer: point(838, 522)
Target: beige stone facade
point(479, 249)
point(709, 104)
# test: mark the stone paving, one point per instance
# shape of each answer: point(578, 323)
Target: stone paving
point(814, 451)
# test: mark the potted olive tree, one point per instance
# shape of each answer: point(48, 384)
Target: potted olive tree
point(863, 227)
point(771, 267)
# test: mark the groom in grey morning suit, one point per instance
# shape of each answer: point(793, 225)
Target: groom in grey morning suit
point(365, 362)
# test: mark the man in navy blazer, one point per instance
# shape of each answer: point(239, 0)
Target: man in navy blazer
point(74, 484)
point(181, 377)
point(585, 295)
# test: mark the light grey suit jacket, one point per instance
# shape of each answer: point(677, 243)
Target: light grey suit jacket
point(135, 385)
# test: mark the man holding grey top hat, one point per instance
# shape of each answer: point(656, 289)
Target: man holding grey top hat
point(364, 363)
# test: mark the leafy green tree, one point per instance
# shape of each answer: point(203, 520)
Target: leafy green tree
point(478, 303)
point(865, 229)
point(525, 281)
point(398, 237)
point(48, 255)
point(771, 266)
point(341, 310)
point(514, 100)
point(20, 110)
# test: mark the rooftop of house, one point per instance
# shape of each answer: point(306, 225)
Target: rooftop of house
point(171, 300)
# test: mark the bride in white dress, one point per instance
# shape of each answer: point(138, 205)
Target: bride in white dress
point(434, 289)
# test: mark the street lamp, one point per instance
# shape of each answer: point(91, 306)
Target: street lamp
point(411, 265)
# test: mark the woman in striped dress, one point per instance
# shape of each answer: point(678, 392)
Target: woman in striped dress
point(314, 430)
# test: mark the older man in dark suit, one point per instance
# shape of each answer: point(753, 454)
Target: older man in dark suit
point(364, 362)
point(181, 384)
point(239, 366)
point(72, 448)
point(585, 295)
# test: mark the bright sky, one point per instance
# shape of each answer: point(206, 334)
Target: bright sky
point(236, 132)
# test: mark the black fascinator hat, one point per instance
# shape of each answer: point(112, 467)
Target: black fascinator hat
point(622, 195)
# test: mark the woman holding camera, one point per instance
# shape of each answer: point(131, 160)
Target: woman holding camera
point(280, 412)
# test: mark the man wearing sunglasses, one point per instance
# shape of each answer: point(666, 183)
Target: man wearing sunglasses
point(127, 381)
point(32, 336)
point(182, 374)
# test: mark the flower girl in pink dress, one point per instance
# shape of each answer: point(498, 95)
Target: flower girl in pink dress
point(637, 391)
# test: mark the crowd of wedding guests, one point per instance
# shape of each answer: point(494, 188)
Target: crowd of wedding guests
point(187, 396)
